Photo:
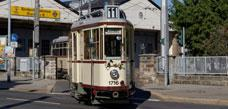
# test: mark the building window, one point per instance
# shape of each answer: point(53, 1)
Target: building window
point(140, 15)
point(149, 48)
point(45, 47)
point(21, 45)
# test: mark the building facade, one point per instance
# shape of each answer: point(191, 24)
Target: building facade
point(145, 16)
point(55, 21)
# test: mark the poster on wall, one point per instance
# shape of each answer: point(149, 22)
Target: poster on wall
point(9, 52)
point(2, 49)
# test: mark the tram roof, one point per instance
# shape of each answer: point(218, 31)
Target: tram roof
point(99, 17)
point(60, 39)
point(97, 4)
point(81, 24)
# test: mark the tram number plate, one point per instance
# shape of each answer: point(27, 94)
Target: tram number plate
point(113, 82)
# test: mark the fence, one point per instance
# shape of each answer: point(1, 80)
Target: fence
point(49, 67)
point(25, 64)
point(21, 68)
point(196, 65)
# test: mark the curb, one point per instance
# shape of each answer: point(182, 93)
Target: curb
point(47, 89)
point(29, 90)
point(170, 98)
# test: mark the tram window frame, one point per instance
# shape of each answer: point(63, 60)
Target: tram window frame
point(74, 48)
point(101, 30)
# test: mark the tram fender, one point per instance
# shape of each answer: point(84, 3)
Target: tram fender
point(80, 89)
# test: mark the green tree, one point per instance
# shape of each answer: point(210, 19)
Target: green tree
point(202, 20)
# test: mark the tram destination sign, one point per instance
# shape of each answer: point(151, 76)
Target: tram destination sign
point(112, 31)
point(29, 12)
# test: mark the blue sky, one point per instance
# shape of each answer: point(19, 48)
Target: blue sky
point(158, 2)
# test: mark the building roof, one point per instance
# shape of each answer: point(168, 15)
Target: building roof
point(95, 4)
point(67, 15)
point(149, 10)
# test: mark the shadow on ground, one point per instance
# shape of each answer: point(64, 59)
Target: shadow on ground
point(137, 99)
point(24, 102)
point(4, 85)
point(61, 86)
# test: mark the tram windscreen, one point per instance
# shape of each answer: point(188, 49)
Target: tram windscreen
point(113, 45)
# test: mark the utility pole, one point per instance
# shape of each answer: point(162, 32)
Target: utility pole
point(36, 35)
point(183, 50)
point(8, 41)
point(112, 2)
point(165, 38)
point(89, 8)
point(183, 39)
point(80, 10)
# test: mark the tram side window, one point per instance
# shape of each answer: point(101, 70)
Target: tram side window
point(113, 45)
point(86, 44)
point(91, 44)
point(127, 41)
point(60, 49)
point(95, 47)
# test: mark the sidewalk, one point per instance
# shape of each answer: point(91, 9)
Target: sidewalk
point(37, 86)
point(198, 94)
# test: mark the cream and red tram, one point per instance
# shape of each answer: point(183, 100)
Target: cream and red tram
point(101, 56)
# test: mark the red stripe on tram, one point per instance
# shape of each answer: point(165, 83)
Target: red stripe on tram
point(96, 62)
point(106, 88)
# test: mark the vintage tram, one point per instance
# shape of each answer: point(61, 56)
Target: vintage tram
point(101, 57)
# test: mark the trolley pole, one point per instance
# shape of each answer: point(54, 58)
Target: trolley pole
point(36, 35)
point(8, 41)
point(165, 39)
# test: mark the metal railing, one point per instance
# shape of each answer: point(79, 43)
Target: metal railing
point(196, 65)
point(21, 68)
point(25, 64)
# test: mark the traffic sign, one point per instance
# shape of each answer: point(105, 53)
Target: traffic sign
point(14, 37)
point(14, 44)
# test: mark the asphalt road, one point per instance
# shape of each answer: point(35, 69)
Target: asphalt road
point(21, 100)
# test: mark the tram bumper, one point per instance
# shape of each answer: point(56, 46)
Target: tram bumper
point(111, 94)
point(114, 95)
point(117, 97)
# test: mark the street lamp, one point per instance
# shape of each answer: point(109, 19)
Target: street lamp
point(36, 35)
point(8, 41)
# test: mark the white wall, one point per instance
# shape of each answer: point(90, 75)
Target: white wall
point(151, 14)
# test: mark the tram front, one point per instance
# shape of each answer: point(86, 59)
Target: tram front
point(103, 64)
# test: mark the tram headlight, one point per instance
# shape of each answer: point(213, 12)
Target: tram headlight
point(114, 74)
